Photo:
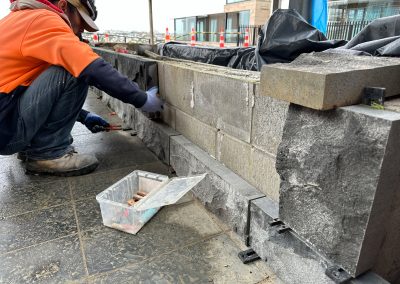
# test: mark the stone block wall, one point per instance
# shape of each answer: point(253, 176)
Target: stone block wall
point(216, 122)
point(222, 112)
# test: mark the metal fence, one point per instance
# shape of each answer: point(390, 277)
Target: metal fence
point(345, 30)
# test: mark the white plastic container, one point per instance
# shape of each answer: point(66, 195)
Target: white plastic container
point(161, 191)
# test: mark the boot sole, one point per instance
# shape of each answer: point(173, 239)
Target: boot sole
point(80, 172)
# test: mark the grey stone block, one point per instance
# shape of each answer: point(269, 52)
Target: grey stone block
point(224, 103)
point(252, 164)
point(291, 259)
point(168, 115)
point(235, 154)
point(139, 69)
point(155, 135)
point(328, 80)
point(339, 173)
point(222, 192)
point(177, 86)
point(263, 175)
point(196, 131)
point(269, 116)
point(217, 96)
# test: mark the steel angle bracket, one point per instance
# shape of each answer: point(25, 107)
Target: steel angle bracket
point(338, 274)
point(248, 256)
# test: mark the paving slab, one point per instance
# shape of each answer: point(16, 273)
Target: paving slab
point(325, 81)
point(210, 261)
point(57, 261)
point(16, 199)
point(36, 227)
point(108, 249)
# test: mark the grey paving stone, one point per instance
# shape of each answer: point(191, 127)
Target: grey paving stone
point(11, 165)
point(211, 261)
point(19, 178)
point(89, 214)
point(173, 227)
point(58, 261)
point(36, 227)
point(18, 199)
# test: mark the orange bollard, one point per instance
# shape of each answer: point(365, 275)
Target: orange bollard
point(167, 36)
point(246, 38)
point(221, 39)
point(193, 39)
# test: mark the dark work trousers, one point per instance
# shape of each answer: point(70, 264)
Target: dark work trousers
point(48, 110)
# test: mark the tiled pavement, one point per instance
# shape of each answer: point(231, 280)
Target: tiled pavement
point(51, 229)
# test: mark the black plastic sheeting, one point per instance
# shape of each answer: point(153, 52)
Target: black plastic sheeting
point(287, 35)
point(379, 38)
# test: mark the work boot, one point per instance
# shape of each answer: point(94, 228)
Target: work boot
point(71, 164)
point(23, 156)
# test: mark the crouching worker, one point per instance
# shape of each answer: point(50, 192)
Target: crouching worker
point(44, 78)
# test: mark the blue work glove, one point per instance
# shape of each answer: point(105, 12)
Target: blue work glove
point(153, 103)
point(95, 123)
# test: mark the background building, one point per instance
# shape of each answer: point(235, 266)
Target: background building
point(348, 17)
point(236, 18)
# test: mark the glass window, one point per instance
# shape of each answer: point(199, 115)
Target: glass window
point(232, 27)
point(183, 28)
point(362, 10)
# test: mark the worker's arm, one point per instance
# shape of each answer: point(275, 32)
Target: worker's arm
point(103, 76)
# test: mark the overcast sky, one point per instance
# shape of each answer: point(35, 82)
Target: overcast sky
point(130, 15)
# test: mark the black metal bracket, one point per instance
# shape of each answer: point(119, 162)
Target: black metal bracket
point(275, 222)
point(338, 274)
point(280, 226)
point(248, 256)
point(374, 96)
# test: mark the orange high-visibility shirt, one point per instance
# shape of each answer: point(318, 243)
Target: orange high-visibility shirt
point(31, 41)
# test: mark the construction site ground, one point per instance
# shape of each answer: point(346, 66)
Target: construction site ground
point(51, 229)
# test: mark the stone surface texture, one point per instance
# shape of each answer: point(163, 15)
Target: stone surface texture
point(255, 166)
point(339, 174)
point(292, 260)
point(220, 97)
point(328, 80)
point(139, 69)
point(222, 191)
point(269, 116)
point(196, 131)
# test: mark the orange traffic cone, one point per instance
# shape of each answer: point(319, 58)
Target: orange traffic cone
point(95, 38)
point(221, 39)
point(167, 36)
point(246, 38)
point(107, 38)
point(193, 40)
